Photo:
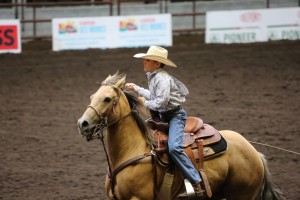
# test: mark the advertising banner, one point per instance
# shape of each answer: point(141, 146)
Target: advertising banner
point(111, 32)
point(283, 24)
point(246, 26)
point(10, 36)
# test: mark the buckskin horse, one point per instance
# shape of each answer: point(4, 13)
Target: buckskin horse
point(114, 116)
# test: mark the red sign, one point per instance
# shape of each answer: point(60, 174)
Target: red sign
point(9, 39)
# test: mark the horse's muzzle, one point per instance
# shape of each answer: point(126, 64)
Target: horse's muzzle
point(84, 127)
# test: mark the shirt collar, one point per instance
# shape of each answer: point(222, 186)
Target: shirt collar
point(152, 74)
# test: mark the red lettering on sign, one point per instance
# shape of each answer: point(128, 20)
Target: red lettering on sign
point(8, 37)
point(148, 20)
point(251, 17)
point(87, 23)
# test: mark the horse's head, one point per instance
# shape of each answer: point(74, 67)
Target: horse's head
point(102, 109)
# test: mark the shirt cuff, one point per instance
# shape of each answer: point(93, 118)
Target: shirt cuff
point(136, 88)
point(146, 103)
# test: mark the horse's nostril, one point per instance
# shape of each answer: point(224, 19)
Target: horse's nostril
point(85, 124)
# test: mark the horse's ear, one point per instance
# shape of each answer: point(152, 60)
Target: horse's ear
point(109, 76)
point(121, 83)
point(105, 81)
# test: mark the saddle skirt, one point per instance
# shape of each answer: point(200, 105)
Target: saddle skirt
point(195, 130)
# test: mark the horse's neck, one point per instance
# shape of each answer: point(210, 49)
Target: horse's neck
point(125, 141)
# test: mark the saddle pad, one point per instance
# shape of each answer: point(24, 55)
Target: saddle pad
point(212, 149)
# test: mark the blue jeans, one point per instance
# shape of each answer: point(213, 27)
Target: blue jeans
point(176, 122)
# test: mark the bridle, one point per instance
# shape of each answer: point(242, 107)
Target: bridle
point(112, 108)
point(99, 134)
point(103, 124)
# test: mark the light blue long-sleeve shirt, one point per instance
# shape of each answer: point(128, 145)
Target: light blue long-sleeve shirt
point(165, 91)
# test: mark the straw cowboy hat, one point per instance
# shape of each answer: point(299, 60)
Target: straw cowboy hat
point(158, 54)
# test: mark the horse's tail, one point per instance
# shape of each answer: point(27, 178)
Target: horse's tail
point(268, 190)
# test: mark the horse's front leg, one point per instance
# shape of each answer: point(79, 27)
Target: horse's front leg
point(107, 188)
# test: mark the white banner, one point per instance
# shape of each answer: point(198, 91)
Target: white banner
point(111, 32)
point(10, 36)
point(246, 26)
point(283, 24)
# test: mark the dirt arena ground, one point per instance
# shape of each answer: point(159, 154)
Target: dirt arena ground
point(253, 89)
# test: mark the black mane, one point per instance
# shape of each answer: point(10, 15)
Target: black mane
point(136, 106)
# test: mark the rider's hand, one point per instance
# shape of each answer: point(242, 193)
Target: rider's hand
point(130, 86)
point(142, 100)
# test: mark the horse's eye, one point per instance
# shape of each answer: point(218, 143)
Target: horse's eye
point(107, 99)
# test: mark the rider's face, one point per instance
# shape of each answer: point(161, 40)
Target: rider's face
point(150, 65)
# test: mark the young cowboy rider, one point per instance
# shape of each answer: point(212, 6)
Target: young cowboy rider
point(165, 95)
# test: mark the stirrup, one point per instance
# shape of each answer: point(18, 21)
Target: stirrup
point(190, 193)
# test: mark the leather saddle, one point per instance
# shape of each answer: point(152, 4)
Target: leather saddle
point(194, 130)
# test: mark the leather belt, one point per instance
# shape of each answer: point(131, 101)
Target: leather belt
point(170, 112)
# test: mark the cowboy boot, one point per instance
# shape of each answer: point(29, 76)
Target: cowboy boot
point(198, 191)
point(189, 193)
